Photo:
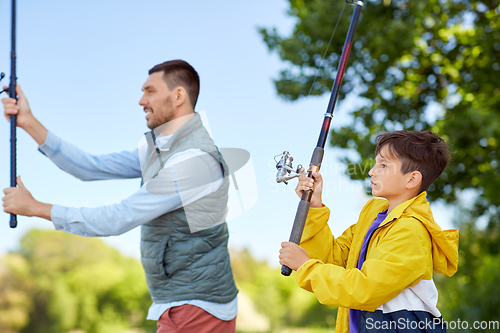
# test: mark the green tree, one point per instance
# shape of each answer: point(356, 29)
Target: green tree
point(472, 294)
point(278, 297)
point(15, 290)
point(81, 283)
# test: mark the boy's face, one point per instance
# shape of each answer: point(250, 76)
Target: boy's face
point(387, 180)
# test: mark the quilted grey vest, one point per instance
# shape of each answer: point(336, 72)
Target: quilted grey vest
point(181, 264)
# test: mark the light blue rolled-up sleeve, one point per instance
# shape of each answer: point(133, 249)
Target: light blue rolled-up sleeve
point(115, 219)
point(180, 183)
point(86, 166)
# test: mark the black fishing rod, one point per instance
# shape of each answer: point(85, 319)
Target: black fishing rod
point(284, 166)
point(13, 117)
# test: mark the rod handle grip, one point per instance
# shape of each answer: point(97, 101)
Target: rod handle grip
point(13, 221)
point(317, 157)
point(13, 159)
point(298, 225)
point(285, 270)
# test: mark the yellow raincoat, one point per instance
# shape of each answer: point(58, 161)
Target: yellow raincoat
point(405, 249)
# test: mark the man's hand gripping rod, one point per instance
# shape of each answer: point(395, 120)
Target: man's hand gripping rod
point(317, 157)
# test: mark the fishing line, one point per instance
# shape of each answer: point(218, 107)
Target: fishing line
point(317, 72)
point(326, 51)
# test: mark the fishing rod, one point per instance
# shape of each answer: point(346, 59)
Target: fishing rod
point(284, 166)
point(13, 118)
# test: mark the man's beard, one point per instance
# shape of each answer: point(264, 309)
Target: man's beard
point(160, 117)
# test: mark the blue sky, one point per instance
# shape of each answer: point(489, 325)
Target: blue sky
point(82, 64)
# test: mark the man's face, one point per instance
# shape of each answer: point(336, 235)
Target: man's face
point(157, 101)
point(387, 180)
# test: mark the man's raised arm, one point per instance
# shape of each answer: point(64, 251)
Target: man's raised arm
point(67, 156)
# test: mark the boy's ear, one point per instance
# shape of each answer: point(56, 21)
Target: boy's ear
point(415, 180)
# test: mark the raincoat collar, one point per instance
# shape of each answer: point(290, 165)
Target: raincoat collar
point(400, 209)
point(444, 242)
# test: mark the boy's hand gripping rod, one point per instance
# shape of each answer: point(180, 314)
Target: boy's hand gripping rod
point(284, 166)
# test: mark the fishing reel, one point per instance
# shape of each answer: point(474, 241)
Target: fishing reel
point(285, 168)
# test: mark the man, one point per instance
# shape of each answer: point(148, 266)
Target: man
point(181, 205)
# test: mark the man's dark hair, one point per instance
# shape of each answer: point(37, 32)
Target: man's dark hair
point(419, 151)
point(179, 73)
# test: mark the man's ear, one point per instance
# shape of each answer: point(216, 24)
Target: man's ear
point(180, 96)
point(415, 180)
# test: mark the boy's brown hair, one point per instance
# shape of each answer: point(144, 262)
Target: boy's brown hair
point(419, 151)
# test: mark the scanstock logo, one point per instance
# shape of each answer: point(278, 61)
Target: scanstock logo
point(188, 176)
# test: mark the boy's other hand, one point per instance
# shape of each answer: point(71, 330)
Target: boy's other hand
point(292, 255)
point(305, 184)
point(20, 107)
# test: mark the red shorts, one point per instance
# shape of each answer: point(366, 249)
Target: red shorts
point(192, 319)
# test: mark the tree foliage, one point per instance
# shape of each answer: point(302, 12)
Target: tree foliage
point(472, 294)
point(417, 65)
point(59, 282)
point(277, 297)
point(16, 287)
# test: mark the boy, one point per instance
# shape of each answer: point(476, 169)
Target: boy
point(379, 272)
